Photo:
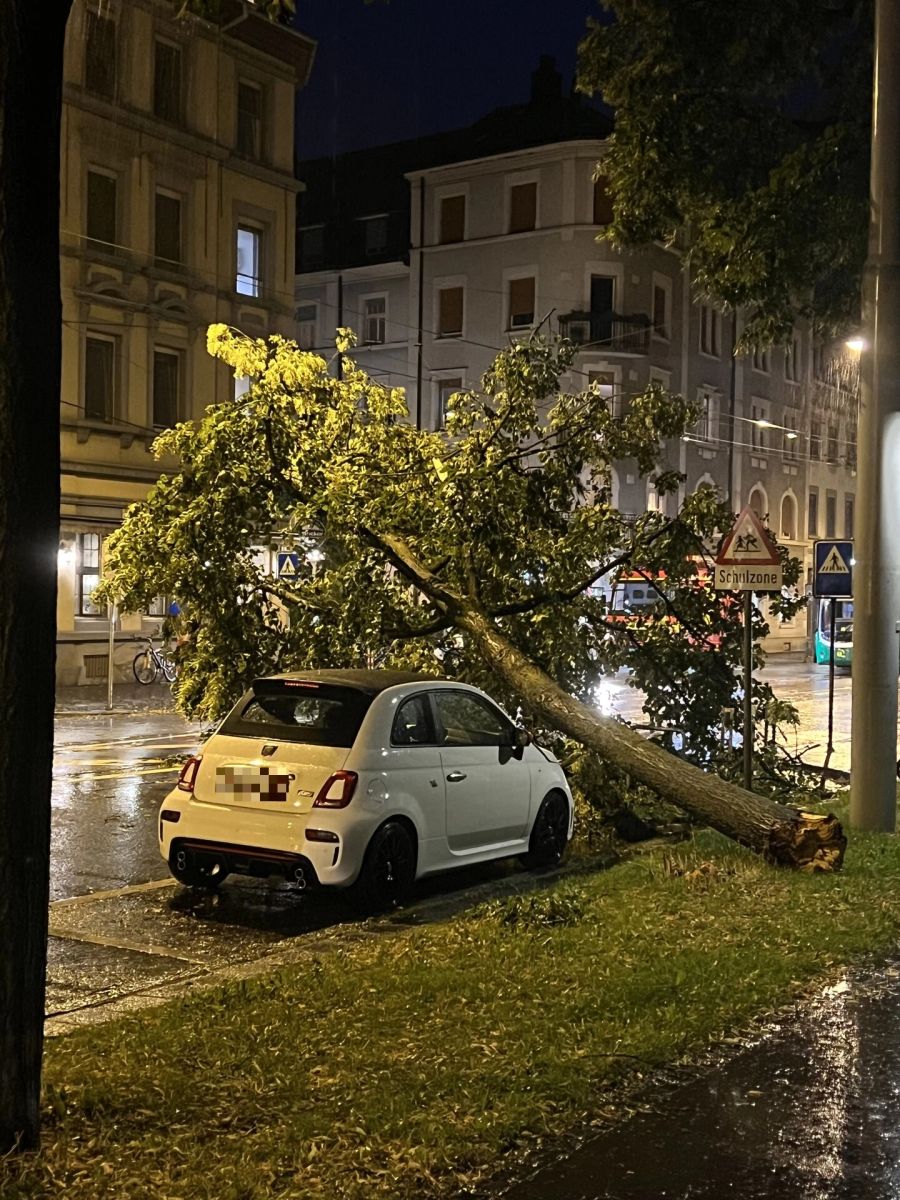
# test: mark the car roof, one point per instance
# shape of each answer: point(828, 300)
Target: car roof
point(372, 682)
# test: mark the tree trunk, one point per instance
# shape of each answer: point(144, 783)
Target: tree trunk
point(782, 835)
point(31, 49)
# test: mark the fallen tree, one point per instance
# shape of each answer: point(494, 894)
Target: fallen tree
point(484, 553)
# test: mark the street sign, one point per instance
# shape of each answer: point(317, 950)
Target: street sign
point(747, 561)
point(833, 575)
point(288, 564)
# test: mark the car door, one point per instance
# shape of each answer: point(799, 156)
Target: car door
point(414, 775)
point(488, 785)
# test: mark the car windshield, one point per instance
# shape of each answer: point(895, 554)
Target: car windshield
point(316, 714)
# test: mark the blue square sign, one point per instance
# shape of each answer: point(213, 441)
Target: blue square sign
point(288, 564)
point(833, 577)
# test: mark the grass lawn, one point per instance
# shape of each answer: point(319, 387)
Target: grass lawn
point(407, 1065)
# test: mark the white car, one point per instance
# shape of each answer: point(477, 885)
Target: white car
point(369, 779)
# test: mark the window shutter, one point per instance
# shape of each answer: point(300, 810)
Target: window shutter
point(453, 219)
point(522, 207)
point(451, 310)
point(521, 301)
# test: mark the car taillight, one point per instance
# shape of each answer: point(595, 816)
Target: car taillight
point(188, 774)
point(337, 790)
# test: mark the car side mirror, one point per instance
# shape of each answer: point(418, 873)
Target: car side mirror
point(515, 738)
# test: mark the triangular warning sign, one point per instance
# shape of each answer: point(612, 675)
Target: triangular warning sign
point(834, 563)
point(288, 566)
point(747, 544)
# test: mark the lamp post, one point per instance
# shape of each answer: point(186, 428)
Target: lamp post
point(876, 645)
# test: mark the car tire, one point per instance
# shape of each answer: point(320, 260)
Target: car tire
point(144, 668)
point(549, 834)
point(196, 874)
point(388, 870)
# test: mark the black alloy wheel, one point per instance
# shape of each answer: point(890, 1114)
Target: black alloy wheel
point(197, 871)
point(388, 871)
point(550, 832)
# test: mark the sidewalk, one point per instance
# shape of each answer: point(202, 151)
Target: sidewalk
point(90, 699)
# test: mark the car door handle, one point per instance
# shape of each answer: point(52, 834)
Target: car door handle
point(456, 776)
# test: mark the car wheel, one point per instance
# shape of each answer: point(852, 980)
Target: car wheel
point(388, 870)
point(204, 872)
point(549, 834)
point(144, 668)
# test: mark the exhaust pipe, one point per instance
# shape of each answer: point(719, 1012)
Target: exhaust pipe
point(298, 877)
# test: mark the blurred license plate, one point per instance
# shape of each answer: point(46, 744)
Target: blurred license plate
point(252, 781)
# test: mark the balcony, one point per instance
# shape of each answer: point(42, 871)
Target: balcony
point(610, 331)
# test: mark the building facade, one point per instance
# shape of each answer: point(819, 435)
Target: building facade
point(501, 244)
point(177, 210)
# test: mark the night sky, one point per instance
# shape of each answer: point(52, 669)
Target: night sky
point(389, 71)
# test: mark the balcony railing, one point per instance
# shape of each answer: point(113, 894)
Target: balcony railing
point(607, 331)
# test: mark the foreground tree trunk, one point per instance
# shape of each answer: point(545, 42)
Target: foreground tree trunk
point(31, 49)
point(782, 835)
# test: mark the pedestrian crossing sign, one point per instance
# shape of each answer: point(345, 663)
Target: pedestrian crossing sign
point(288, 564)
point(833, 576)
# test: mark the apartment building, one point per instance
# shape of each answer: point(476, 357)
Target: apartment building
point(177, 210)
point(500, 243)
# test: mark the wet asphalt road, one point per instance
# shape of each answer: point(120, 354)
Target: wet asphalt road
point(808, 1113)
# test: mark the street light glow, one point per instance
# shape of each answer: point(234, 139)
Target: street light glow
point(857, 344)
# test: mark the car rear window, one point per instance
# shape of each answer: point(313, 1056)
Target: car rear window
point(315, 714)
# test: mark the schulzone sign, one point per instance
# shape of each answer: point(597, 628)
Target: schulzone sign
point(747, 561)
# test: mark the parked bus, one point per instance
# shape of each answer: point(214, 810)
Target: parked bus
point(843, 632)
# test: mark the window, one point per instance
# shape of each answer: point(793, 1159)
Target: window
point(87, 573)
point(247, 282)
point(759, 432)
point(830, 514)
point(453, 219)
point(849, 513)
point(99, 377)
point(249, 120)
point(166, 388)
point(790, 434)
point(450, 312)
point(464, 719)
point(757, 502)
point(604, 384)
point(374, 320)
point(101, 210)
point(522, 207)
point(167, 229)
point(241, 385)
point(708, 424)
point(312, 247)
point(445, 389)
point(815, 440)
point(166, 81)
point(812, 514)
point(788, 517)
point(761, 361)
point(306, 317)
point(521, 302)
point(100, 55)
point(375, 234)
point(602, 205)
point(832, 443)
point(792, 362)
point(662, 303)
point(710, 330)
point(851, 447)
point(821, 361)
point(412, 724)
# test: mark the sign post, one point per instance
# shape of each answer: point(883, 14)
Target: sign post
point(832, 580)
point(747, 562)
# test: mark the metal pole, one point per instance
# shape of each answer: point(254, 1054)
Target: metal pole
point(876, 647)
point(111, 612)
point(748, 691)
point(829, 749)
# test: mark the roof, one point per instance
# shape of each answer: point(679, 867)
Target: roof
point(364, 681)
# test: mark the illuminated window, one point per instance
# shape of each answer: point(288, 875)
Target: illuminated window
point(87, 573)
point(247, 281)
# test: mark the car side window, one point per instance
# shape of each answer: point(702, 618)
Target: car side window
point(412, 724)
point(467, 720)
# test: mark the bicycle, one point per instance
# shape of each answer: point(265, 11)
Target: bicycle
point(153, 662)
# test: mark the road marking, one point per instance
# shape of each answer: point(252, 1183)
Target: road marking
point(127, 744)
point(62, 776)
point(129, 889)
